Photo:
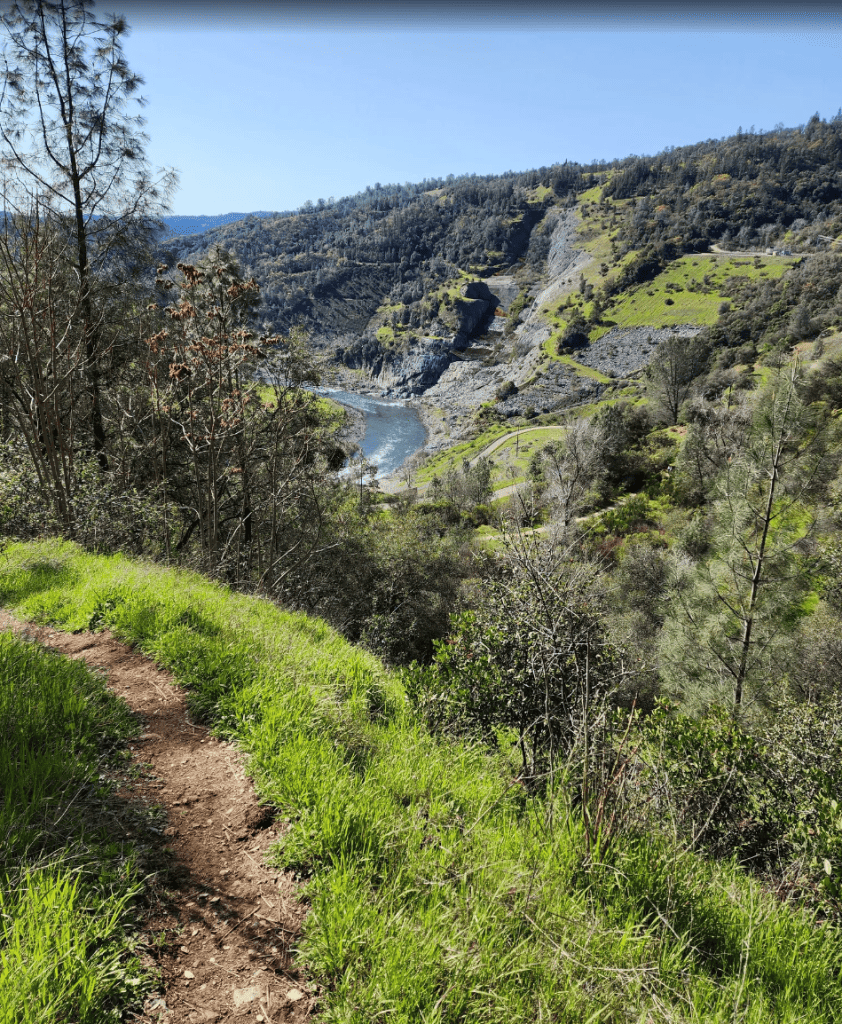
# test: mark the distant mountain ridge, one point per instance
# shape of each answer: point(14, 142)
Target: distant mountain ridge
point(186, 225)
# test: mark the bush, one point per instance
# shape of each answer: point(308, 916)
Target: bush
point(506, 389)
point(767, 797)
point(632, 514)
point(533, 658)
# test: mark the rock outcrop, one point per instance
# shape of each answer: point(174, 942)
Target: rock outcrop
point(417, 370)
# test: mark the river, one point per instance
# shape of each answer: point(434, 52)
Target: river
point(393, 431)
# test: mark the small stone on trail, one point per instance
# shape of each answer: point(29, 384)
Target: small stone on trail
point(242, 996)
point(294, 995)
point(189, 975)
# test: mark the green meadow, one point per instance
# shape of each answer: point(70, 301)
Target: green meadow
point(688, 291)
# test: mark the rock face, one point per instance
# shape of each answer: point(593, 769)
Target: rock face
point(564, 261)
point(474, 307)
point(417, 370)
point(504, 290)
point(413, 372)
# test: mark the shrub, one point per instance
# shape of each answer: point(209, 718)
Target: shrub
point(532, 658)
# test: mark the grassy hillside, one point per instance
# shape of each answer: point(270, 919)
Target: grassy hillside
point(439, 889)
point(688, 291)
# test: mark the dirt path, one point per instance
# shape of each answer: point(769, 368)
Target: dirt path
point(220, 924)
point(717, 250)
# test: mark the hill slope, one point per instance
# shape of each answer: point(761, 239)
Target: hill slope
point(463, 287)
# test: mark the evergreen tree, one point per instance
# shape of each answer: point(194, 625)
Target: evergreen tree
point(676, 364)
point(725, 639)
point(73, 154)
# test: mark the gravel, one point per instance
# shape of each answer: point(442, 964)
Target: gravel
point(625, 350)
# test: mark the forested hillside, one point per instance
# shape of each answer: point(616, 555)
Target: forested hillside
point(752, 189)
point(332, 264)
point(379, 279)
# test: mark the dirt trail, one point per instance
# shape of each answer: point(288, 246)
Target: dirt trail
point(228, 921)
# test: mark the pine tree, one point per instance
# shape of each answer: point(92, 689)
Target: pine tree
point(74, 155)
point(725, 639)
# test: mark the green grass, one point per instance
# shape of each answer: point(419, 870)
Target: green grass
point(440, 463)
point(517, 452)
point(65, 884)
point(582, 370)
point(638, 308)
point(438, 890)
point(333, 413)
point(471, 449)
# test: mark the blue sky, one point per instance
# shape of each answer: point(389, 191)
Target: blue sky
point(260, 109)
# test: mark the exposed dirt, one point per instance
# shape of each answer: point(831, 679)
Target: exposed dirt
point(220, 925)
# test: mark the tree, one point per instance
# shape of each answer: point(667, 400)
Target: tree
point(569, 468)
point(41, 361)
point(239, 459)
point(677, 362)
point(74, 156)
point(359, 468)
point(621, 429)
point(411, 467)
point(470, 485)
point(734, 610)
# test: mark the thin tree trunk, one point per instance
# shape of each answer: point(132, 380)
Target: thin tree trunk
point(757, 575)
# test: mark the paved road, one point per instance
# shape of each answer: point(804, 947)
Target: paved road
point(716, 250)
point(507, 437)
point(394, 485)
